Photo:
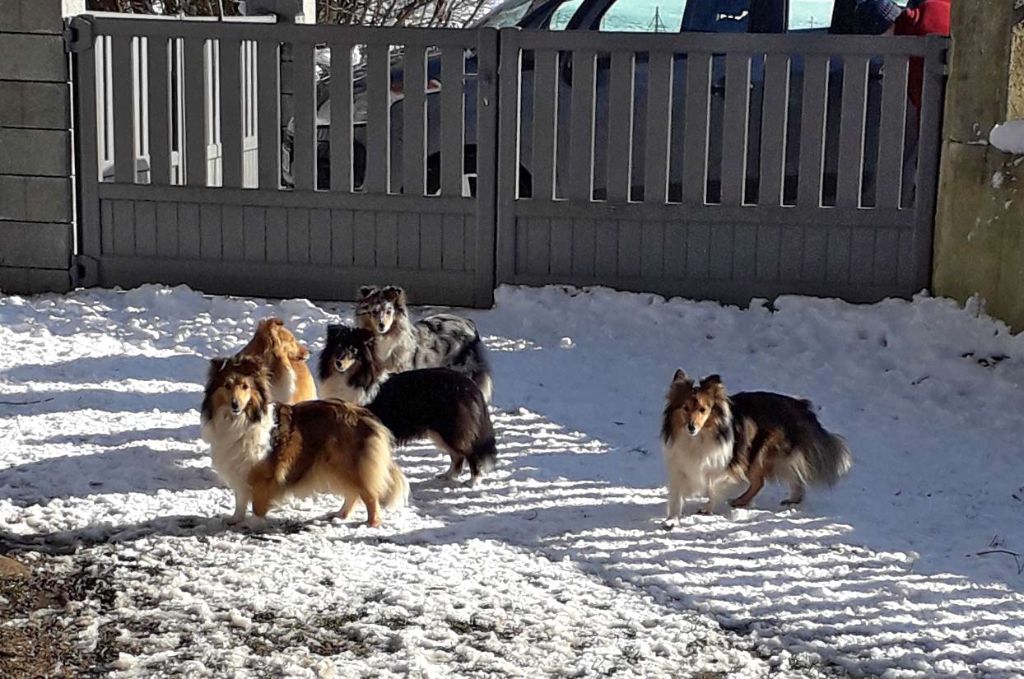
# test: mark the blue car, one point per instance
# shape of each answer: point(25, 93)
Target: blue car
point(717, 16)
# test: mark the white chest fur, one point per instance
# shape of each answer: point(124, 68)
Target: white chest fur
point(236, 445)
point(696, 462)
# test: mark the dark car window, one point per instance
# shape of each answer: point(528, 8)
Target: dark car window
point(717, 16)
point(651, 16)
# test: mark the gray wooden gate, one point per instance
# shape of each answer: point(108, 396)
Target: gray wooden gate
point(719, 167)
point(180, 128)
point(709, 166)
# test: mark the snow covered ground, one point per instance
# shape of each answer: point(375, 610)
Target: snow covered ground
point(557, 565)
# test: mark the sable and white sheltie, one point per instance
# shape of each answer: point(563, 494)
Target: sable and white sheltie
point(437, 402)
point(439, 341)
point(290, 378)
point(265, 451)
point(712, 439)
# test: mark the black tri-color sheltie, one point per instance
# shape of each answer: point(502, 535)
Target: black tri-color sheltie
point(439, 403)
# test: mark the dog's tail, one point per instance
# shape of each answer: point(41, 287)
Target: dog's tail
point(822, 457)
point(484, 451)
point(472, 360)
point(397, 494)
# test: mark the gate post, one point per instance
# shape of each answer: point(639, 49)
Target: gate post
point(36, 175)
point(979, 246)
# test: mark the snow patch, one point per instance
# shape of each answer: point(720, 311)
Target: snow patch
point(1008, 136)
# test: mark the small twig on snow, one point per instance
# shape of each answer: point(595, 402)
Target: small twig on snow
point(1015, 555)
point(25, 403)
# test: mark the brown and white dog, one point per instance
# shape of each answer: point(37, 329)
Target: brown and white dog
point(712, 439)
point(265, 451)
point(285, 357)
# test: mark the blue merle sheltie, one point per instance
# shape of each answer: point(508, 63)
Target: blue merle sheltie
point(442, 404)
point(712, 439)
point(439, 341)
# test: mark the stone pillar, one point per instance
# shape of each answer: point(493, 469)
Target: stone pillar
point(979, 227)
point(36, 175)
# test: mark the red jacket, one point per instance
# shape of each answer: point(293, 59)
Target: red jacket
point(931, 17)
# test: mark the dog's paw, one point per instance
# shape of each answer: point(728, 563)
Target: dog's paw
point(738, 504)
point(791, 503)
point(234, 519)
point(669, 524)
point(706, 510)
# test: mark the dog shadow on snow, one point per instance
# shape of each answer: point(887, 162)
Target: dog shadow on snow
point(771, 573)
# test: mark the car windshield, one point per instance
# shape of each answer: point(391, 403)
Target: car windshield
point(810, 14)
point(506, 14)
point(651, 16)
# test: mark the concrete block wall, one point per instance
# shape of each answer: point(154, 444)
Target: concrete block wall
point(36, 172)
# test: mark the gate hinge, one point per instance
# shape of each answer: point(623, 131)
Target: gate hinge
point(85, 272)
point(78, 35)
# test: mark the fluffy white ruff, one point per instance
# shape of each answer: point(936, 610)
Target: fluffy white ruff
point(236, 445)
point(338, 387)
point(697, 466)
point(282, 386)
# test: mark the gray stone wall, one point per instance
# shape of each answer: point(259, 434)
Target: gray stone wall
point(36, 194)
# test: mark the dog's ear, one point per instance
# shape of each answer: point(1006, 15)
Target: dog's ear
point(215, 366)
point(364, 336)
point(713, 384)
point(334, 332)
point(272, 321)
point(395, 295)
point(300, 352)
point(367, 290)
point(680, 376)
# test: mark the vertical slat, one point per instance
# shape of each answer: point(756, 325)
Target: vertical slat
point(722, 250)
point(320, 237)
point(695, 134)
point(268, 104)
point(791, 251)
point(341, 117)
point(769, 242)
point(365, 239)
point(522, 247)
point(774, 117)
point(342, 238)
point(231, 231)
point(744, 255)
point(107, 224)
point(454, 255)
point(298, 235)
point(188, 230)
point(812, 130)
point(483, 228)
point(581, 130)
point(620, 126)
point(838, 268)
point(734, 128)
point(167, 229)
point(583, 246)
point(630, 240)
point(277, 234)
point(124, 227)
point(159, 112)
point(652, 250)
point(414, 120)
point(195, 113)
point(124, 106)
point(145, 228)
point(231, 128)
point(304, 156)
point(452, 67)
point(210, 245)
point(659, 97)
point(561, 247)
point(378, 148)
point(431, 245)
point(675, 250)
point(408, 240)
point(886, 246)
point(538, 240)
point(87, 139)
point(545, 112)
point(815, 253)
point(862, 254)
point(698, 250)
point(606, 255)
point(889, 173)
point(254, 234)
point(508, 243)
point(851, 131)
point(387, 240)
point(928, 150)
